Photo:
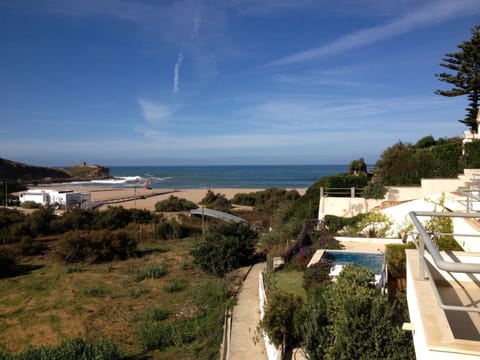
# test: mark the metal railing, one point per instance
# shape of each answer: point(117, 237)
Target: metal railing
point(425, 241)
point(351, 192)
point(472, 195)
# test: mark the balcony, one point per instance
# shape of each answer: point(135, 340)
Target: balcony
point(443, 293)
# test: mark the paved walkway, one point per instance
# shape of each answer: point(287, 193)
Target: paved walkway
point(245, 343)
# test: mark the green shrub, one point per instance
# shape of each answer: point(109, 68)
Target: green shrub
point(334, 223)
point(374, 190)
point(155, 335)
point(116, 217)
point(249, 199)
point(31, 205)
point(316, 275)
point(216, 201)
point(226, 247)
point(152, 272)
point(472, 154)
point(170, 230)
point(96, 246)
point(39, 221)
point(29, 247)
point(278, 321)
point(74, 219)
point(76, 349)
point(175, 286)
point(397, 260)
point(173, 204)
point(156, 314)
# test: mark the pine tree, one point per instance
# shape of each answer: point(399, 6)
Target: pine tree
point(464, 76)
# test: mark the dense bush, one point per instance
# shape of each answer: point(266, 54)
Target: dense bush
point(226, 247)
point(266, 201)
point(116, 217)
point(317, 275)
point(169, 229)
point(174, 203)
point(278, 321)
point(7, 261)
point(397, 260)
point(472, 155)
point(39, 221)
point(12, 226)
point(216, 201)
point(374, 190)
point(96, 246)
point(363, 324)
point(326, 241)
point(350, 319)
point(246, 199)
point(29, 247)
point(335, 223)
point(303, 243)
point(406, 164)
point(74, 219)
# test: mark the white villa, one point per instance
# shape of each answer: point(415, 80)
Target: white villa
point(443, 289)
point(62, 198)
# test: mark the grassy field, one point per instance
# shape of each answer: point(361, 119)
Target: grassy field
point(289, 281)
point(50, 301)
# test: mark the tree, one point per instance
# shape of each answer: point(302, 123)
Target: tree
point(357, 167)
point(362, 322)
point(464, 75)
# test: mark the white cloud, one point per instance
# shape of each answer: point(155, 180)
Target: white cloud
point(176, 74)
point(434, 13)
point(155, 112)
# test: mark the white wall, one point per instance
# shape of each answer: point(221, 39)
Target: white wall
point(273, 353)
point(402, 193)
point(39, 197)
point(346, 207)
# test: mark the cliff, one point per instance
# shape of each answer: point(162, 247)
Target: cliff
point(15, 171)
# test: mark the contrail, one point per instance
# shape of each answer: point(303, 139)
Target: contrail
point(176, 73)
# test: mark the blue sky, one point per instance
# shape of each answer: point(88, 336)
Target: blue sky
point(120, 82)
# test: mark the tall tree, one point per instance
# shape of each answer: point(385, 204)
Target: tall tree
point(464, 75)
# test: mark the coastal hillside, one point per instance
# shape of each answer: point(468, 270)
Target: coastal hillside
point(16, 171)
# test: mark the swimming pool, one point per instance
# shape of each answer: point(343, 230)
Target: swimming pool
point(372, 261)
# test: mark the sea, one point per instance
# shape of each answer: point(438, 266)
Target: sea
point(209, 177)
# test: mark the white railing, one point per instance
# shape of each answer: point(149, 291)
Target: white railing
point(425, 242)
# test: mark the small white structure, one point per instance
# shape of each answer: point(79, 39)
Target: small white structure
point(469, 136)
point(62, 198)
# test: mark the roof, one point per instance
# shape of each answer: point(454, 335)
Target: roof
point(216, 214)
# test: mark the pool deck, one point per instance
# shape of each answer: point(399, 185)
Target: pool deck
point(353, 246)
point(367, 247)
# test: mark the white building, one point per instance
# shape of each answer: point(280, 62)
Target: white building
point(62, 198)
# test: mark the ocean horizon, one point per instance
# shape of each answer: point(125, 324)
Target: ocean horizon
point(219, 176)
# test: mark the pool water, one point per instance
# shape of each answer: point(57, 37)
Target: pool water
point(374, 262)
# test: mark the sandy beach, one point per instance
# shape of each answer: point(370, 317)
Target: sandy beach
point(141, 198)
